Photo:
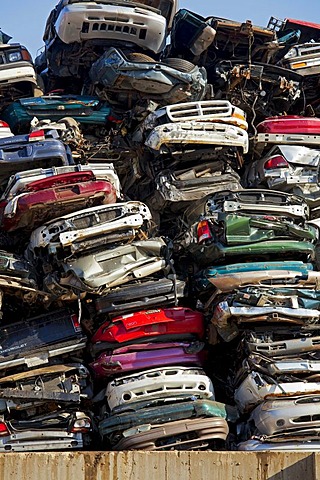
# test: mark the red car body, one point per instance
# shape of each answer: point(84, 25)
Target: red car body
point(290, 124)
point(148, 355)
point(168, 324)
point(54, 196)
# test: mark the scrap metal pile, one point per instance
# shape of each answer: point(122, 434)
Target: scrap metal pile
point(159, 211)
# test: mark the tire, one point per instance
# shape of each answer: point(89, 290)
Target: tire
point(179, 64)
point(139, 57)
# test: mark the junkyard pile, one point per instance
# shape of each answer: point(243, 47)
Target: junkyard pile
point(160, 215)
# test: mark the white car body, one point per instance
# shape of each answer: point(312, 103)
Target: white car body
point(140, 25)
point(17, 72)
point(197, 133)
point(255, 389)
point(159, 383)
point(201, 111)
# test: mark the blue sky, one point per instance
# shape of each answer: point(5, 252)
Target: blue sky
point(24, 20)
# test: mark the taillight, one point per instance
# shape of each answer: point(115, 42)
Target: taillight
point(276, 162)
point(203, 231)
point(26, 55)
point(76, 323)
point(3, 124)
point(37, 136)
point(4, 429)
point(81, 425)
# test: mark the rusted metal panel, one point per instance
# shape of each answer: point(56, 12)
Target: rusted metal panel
point(160, 466)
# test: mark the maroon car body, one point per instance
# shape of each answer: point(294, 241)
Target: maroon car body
point(168, 324)
point(54, 196)
point(290, 124)
point(148, 355)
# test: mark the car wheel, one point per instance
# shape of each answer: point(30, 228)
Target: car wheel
point(139, 57)
point(179, 64)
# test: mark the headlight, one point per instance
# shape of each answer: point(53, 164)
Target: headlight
point(14, 57)
point(291, 54)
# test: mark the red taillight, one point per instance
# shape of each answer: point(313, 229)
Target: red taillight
point(203, 231)
point(76, 323)
point(3, 124)
point(276, 162)
point(3, 429)
point(37, 136)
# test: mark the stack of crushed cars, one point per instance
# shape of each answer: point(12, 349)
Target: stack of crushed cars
point(159, 232)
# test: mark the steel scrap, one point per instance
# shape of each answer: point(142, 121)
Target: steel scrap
point(159, 232)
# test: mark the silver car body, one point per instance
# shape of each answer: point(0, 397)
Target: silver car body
point(263, 140)
point(121, 76)
point(109, 268)
point(298, 366)
point(41, 441)
point(159, 383)
point(284, 348)
point(299, 176)
point(279, 415)
point(259, 201)
point(223, 312)
point(20, 436)
point(285, 446)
